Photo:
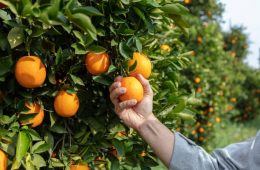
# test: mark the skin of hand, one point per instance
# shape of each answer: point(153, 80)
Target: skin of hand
point(132, 113)
point(140, 117)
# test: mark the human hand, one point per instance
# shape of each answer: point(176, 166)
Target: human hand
point(132, 113)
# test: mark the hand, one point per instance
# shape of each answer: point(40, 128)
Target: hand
point(132, 113)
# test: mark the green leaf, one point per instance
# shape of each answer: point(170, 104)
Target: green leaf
point(23, 144)
point(119, 145)
point(4, 15)
point(103, 80)
point(125, 51)
point(176, 9)
point(38, 161)
point(56, 162)
point(58, 55)
point(34, 135)
point(87, 10)
point(138, 44)
point(115, 164)
point(77, 80)
point(57, 129)
point(15, 37)
point(40, 147)
point(96, 49)
point(180, 106)
point(84, 23)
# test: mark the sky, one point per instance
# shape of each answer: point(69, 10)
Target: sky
point(246, 13)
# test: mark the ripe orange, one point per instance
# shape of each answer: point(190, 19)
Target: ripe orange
point(165, 48)
point(97, 63)
point(233, 99)
point(201, 130)
point(79, 167)
point(3, 160)
point(143, 154)
point(30, 72)
point(134, 89)
point(187, 2)
point(211, 109)
point(198, 90)
point(66, 104)
point(114, 152)
point(121, 134)
point(38, 118)
point(143, 65)
point(199, 39)
point(197, 80)
point(217, 119)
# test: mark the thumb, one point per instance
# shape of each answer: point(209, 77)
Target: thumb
point(146, 85)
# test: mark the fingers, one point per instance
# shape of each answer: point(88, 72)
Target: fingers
point(127, 104)
point(116, 93)
point(145, 84)
point(114, 86)
point(116, 83)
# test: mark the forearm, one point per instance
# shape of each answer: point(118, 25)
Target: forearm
point(159, 138)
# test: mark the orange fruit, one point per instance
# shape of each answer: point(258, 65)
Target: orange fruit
point(38, 118)
point(201, 130)
point(197, 80)
point(134, 89)
point(233, 99)
point(211, 109)
point(198, 90)
point(217, 119)
point(30, 72)
point(114, 152)
point(3, 160)
point(121, 134)
point(194, 132)
point(143, 154)
point(209, 124)
point(233, 54)
point(165, 48)
point(97, 63)
point(187, 2)
point(143, 65)
point(79, 167)
point(199, 39)
point(66, 104)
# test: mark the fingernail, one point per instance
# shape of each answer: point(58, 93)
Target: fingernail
point(118, 84)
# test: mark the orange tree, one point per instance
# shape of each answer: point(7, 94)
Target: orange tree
point(223, 82)
point(58, 58)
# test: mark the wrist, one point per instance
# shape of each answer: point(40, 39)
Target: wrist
point(143, 127)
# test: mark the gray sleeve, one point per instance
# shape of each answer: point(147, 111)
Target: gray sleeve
point(189, 156)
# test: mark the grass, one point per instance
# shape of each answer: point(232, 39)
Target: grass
point(234, 133)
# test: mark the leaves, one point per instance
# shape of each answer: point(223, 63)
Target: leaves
point(15, 37)
point(84, 23)
point(23, 144)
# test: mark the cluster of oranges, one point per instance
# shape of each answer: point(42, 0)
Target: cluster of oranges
point(30, 72)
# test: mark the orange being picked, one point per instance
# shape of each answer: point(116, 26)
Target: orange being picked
point(30, 72)
point(38, 118)
point(66, 104)
point(134, 89)
point(165, 48)
point(79, 167)
point(3, 160)
point(143, 65)
point(97, 63)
